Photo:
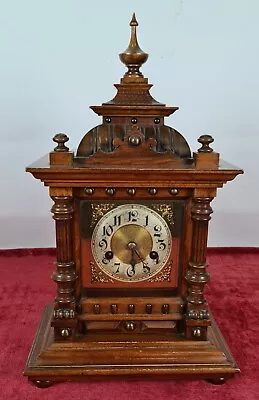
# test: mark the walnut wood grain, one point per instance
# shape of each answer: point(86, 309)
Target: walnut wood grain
point(65, 275)
point(94, 357)
point(197, 275)
point(158, 328)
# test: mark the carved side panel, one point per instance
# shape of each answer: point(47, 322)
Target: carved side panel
point(65, 275)
point(197, 317)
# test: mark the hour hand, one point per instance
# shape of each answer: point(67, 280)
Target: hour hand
point(133, 247)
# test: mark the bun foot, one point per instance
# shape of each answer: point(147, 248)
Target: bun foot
point(217, 381)
point(43, 384)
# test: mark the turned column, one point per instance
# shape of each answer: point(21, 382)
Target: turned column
point(64, 321)
point(197, 316)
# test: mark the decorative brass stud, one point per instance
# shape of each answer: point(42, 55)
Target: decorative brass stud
point(110, 191)
point(108, 120)
point(134, 140)
point(173, 191)
point(152, 191)
point(134, 120)
point(65, 332)
point(196, 332)
point(156, 120)
point(131, 191)
point(129, 325)
point(89, 191)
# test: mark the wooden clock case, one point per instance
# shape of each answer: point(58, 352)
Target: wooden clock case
point(98, 327)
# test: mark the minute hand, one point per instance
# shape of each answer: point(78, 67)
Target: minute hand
point(145, 266)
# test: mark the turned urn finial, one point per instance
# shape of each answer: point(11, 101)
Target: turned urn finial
point(61, 139)
point(205, 141)
point(133, 57)
point(206, 157)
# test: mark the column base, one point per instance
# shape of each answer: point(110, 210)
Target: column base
point(134, 356)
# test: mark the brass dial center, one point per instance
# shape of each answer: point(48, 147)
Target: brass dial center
point(130, 243)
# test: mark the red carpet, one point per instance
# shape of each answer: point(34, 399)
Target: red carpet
point(233, 296)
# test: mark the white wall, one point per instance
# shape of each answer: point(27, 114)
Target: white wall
point(60, 56)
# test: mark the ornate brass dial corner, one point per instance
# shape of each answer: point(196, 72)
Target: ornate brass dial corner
point(99, 210)
point(164, 275)
point(97, 275)
point(166, 212)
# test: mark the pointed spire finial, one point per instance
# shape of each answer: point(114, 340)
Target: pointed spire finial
point(133, 57)
point(133, 21)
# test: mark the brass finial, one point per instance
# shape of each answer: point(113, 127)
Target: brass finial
point(133, 21)
point(133, 57)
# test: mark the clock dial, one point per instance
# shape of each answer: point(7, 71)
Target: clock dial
point(131, 243)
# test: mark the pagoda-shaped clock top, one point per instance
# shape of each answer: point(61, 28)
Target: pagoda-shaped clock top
point(133, 107)
point(133, 89)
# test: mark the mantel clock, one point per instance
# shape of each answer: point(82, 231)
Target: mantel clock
point(131, 208)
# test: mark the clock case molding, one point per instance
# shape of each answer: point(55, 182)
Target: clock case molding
point(132, 157)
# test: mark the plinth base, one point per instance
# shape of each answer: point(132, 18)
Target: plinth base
point(133, 356)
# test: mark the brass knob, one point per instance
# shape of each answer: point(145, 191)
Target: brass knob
point(110, 191)
point(134, 140)
point(152, 191)
point(65, 332)
point(89, 191)
point(131, 191)
point(196, 332)
point(173, 191)
point(129, 325)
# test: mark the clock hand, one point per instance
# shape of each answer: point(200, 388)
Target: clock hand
point(132, 262)
point(131, 269)
point(145, 266)
point(133, 247)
